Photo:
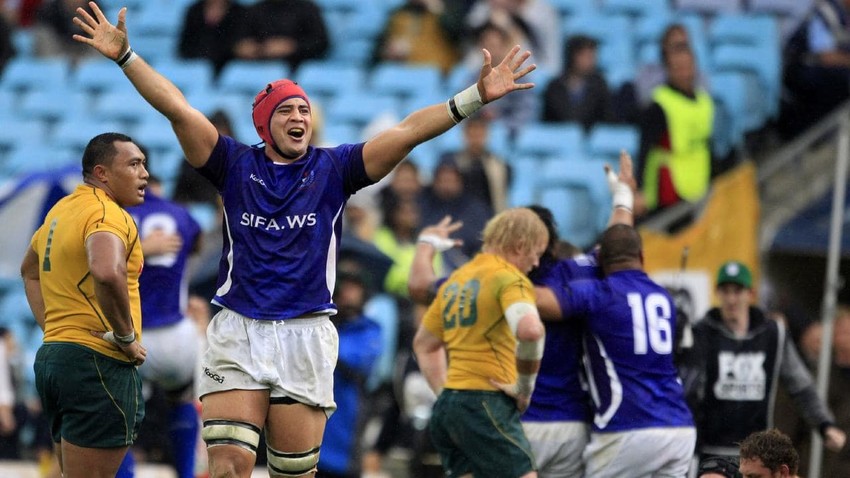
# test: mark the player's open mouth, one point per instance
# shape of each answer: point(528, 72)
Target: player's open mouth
point(296, 133)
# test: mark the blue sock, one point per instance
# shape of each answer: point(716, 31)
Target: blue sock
point(128, 466)
point(183, 431)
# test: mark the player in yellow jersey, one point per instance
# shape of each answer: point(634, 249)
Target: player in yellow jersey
point(81, 276)
point(479, 347)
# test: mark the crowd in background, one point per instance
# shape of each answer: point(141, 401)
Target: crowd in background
point(669, 103)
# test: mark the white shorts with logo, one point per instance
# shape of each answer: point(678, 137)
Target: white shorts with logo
point(292, 358)
point(651, 452)
point(558, 447)
point(172, 355)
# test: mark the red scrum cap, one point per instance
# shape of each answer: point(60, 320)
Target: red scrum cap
point(268, 100)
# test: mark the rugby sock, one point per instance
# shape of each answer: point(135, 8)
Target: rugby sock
point(183, 431)
point(128, 466)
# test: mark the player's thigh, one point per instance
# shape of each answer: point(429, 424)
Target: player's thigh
point(172, 355)
point(661, 452)
point(485, 427)
point(558, 447)
point(82, 462)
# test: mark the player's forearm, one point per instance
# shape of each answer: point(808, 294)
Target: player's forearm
point(32, 289)
point(434, 368)
point(114, 300)
point(422, 275)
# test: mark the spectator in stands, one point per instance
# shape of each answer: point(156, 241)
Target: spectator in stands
point(651, 75)
point(485, 175)
point(7, 49)
point(397, 239)
point(359, 348)
point(674, 163)
point(447, 195)
point(789, 419)
point(289, 30)
point(817, 65)
point(737, 362)
point(498, 37)
point(209, 31)
point(769, 453)
point(54, 29)
point(414, 34)
point(539, 21)
point(405, 183)
point(580, 92)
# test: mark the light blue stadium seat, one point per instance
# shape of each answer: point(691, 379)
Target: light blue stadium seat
point(738, 39)
point(158, 18)
point(157, 136)
point(358, 108)
point(155, 48)
point(576, 192)
point(733, 94)
point(190, 75)
point(234, 104)
point(126, 108)
point(405, 80)
point(24, 41)
point(165, 164)
point(382, 308)
point(649, 29)
point(74, 134)
point(97, 75)
point(29, 73)
point(607, 140)
point(639, 8)
point(710, 7)
point(329, 78)
point(35, 157)
point(569, 8)
point(525, 172)
point(740, 59)
point(249, 77)
point(22, 133)
point(561, 140)
point(54, 104)
point(356, 52)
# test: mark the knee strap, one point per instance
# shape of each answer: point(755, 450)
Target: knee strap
point(230, 432)
point(292, 464)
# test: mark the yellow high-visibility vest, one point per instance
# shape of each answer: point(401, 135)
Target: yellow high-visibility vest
point(689, 125)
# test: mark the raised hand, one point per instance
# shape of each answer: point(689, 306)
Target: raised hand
point(496, 82)
point(438, 234)
point(110, 40)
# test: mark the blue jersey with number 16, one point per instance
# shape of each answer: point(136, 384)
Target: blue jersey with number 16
point(629, 344)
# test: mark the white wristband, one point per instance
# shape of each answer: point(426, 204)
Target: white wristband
point(525, 383)
point(621, 193)
point(120, 340)
point(464, 104)
point(441, 244)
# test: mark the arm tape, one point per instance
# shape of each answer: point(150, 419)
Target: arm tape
point(516, 311)
point(525, 383)
point(526, 350)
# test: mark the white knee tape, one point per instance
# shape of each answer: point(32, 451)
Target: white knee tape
point(229, 432)
point(292, 464)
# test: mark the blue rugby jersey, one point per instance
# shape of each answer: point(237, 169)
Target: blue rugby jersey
point(163, 286)
point(282, 226)
point(630, 323)
point(559, 394)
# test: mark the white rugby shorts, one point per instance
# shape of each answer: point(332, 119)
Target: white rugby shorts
point(293, 358)
point(172, 355)
point(645, 453)
point(557, 447)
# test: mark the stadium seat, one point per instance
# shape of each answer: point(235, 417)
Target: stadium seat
point(74, 135)
point(641, 8)
point(733, 96)
point(249, 77)
point(23, 40)
point(158, 137)
point(22, 133)
point(577, 194)
point(710, 7)
point(158, 19)
point(29, 74)
point(524, 174)
point(405, 80)
point(607, 140)
point(562, 140)
point(335, 134)
point(569, 8)
point(26, 159)
point(328, 79)
point(358, 108)
point(764, 72)
point(123, 107)
point(356, 52)
point(155, 48)
point(54, 105)
point(97, 75)
point(188, 75)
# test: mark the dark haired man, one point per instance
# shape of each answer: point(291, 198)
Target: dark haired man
point(81, 277)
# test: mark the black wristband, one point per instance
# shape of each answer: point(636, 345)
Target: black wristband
point(125, 57)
